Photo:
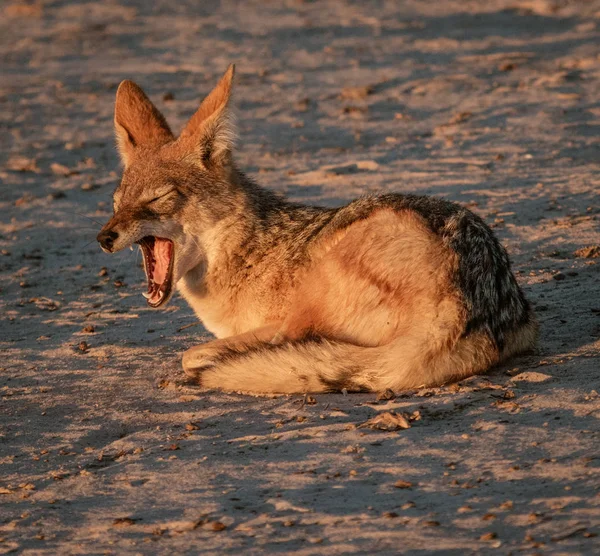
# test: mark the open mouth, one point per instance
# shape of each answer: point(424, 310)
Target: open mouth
point(159, 254)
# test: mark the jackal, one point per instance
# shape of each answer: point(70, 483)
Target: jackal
point(391, 291)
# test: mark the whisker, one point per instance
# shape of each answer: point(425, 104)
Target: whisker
point(196, 242)
point(84, 216)
point(120, 265)
point(88, 243)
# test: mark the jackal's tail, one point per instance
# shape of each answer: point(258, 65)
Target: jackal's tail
point(318, 365)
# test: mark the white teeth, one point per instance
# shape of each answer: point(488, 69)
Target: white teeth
point(161, 294)
point(146, 295)
point(131, 247)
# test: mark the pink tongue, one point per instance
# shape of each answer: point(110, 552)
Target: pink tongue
point(162, 258)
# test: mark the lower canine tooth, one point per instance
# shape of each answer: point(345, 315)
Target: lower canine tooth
point(146, 295)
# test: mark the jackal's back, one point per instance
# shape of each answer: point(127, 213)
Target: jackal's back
point(493, 301)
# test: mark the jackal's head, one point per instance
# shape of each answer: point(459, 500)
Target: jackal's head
point(167, 197)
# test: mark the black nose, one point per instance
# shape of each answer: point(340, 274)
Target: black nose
point(107, 239)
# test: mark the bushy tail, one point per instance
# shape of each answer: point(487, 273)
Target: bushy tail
point(318, 365)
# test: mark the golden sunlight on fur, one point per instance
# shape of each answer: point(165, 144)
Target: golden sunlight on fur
point(395, 291)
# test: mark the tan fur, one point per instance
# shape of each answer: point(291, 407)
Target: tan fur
point(366, 297)
point(380, 291)
point(399, 366)
point(369, 282)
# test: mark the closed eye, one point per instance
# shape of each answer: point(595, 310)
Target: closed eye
point(161, 196)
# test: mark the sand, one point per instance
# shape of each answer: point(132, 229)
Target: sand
point(103, 446)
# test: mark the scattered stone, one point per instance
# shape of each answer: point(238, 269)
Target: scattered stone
point(532, 376)
point(22, 164)
point(124, 521)
point(367, 165)
point(302, 105)
point(357, 93)
point(460, 118)
point(73, 145)
point(488, 536)
point(45, 303)
point(60, 169)
point(403, 484)
point(355, 111)
point(568, 533)
point(387, 421)
point(388, 394)
point(56, 195)
point(590, 252)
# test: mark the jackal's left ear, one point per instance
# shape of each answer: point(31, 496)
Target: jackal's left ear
point(211, 133)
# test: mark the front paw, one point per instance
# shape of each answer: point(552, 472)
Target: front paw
point(195, 373)
point(195, 362)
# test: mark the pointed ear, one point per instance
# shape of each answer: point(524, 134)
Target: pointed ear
point(210, 133)
point(137, 122)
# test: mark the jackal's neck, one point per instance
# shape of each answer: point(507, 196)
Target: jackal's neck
point(257, 222)
point(269, 217)
point(263, 240)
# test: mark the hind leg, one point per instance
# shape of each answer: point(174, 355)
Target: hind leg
point(198, 358)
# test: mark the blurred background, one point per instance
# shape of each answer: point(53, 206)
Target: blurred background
point(491, 103)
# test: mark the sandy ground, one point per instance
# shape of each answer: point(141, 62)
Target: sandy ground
point(105, 449)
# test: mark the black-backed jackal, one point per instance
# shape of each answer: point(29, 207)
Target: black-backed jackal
point(392, 291)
